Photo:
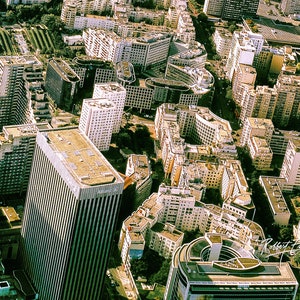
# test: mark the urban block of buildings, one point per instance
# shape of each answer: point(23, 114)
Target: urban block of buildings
point(181, 208)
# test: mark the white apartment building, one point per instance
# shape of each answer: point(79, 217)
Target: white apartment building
point(258, 127)
point(106, 45)
point(146, 50)
point(94, 21)
point(222, 39)
point(278, 207)
point(182, 207)
point(165, 239)
point(198, 79)
point(172, 147)
point(97, 120)
point(194, 56)
point(260, 153)
point(290, 170)
point(242, 52)
point(116, 93)
point(234, 187)
point(185, 30)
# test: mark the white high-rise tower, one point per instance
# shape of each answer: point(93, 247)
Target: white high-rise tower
point(97, 120)
point(115, 92)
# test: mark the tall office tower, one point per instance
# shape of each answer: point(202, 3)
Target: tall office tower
point(70, 215)
point(288, 100)
point(14, 104)
point(97, 120)
point(236, 9)
point(290, 169)
point(116, 93)
point(242, 52)
point(215, 267)
point(290, 6)
point(16, 151)
point(61, 83)
point(213, 7)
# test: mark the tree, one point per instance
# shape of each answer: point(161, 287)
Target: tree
point(296, 258)
point(161, 276)
point(145, 267)
point(202, 17)
point(124, 140)
point(53, 22)
point(11, 17)
point(190, 236)
point(286, 233)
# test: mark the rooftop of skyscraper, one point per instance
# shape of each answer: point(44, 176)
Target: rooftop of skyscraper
point(87, 165)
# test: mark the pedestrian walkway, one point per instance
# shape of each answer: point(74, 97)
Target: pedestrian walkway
point(127, 283)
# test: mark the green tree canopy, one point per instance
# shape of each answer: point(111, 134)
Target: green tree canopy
point(53, 22)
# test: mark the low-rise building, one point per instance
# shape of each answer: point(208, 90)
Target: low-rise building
point(278, 207)
point(10, 232)
point(139, 170)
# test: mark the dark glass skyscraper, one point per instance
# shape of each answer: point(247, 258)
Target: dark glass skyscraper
point(71, 210)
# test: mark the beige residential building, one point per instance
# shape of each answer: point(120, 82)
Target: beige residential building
point(260, 153)
point(259, 102)
point(273, 189)
point(199, 124)
point(287, 109)
point(258, 127)
point(244, 75)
